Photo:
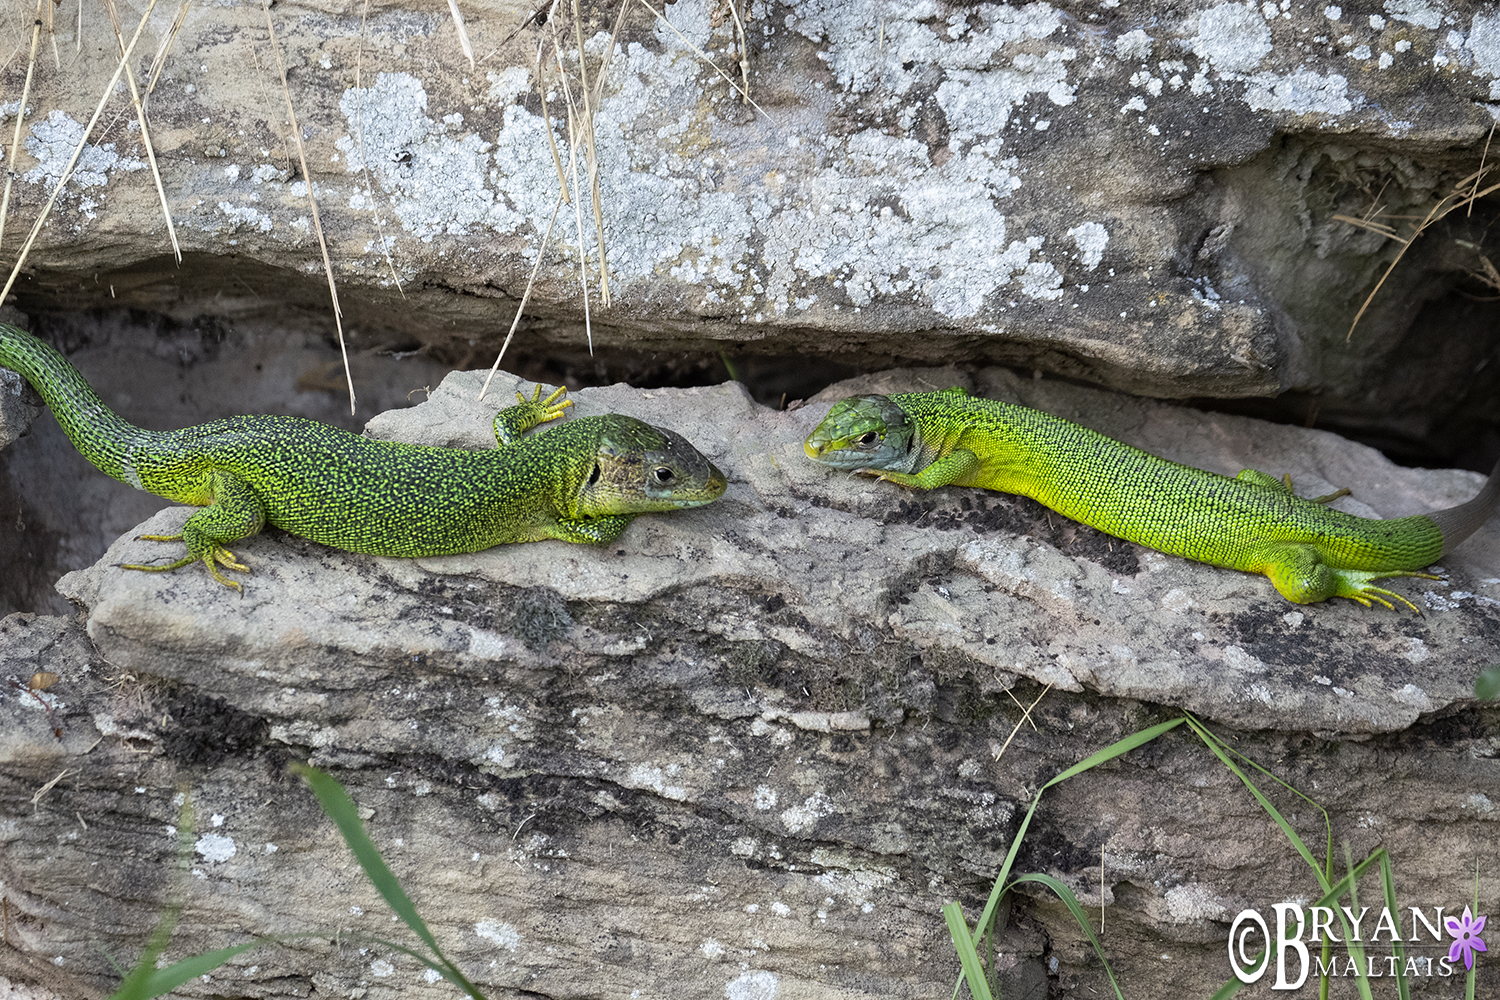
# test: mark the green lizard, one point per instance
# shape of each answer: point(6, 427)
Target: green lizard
point(1252, 522)
point(582, 481)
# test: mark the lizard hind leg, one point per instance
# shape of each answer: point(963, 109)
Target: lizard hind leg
point(1284, 484)
point(236, 513)
point(1302, 577)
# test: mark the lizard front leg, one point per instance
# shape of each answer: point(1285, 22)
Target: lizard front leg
point(597, 530)
point(514, 421)
point(952, 467)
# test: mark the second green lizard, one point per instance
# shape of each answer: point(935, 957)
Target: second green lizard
point(1251, 522)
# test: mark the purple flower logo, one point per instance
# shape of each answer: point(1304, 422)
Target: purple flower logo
point(1466, 939)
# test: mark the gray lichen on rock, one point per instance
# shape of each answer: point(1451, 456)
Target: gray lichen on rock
point(1136, 197)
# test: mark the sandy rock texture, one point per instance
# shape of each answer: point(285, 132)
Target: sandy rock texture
point(1141, 196)
point(746, 750)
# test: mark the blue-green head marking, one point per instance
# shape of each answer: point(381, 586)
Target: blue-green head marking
point(864, 432)
point(639, 468)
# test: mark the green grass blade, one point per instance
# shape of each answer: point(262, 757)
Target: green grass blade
point(340, 808)
point(1356, 949)
point(1388, 884)
point(1110, 752)
point(163, 981)
point(1233, 986)
point(146, 981)
point(1117, 748)
point(136, 985)
point(1487, 684)
point(968, 958)
point(1071, 902)
point(1291, 835)
point(1328, 855)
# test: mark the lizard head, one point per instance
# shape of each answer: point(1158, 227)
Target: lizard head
point(640, 468)
point(862, 432)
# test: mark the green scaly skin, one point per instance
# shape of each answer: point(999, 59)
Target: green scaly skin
point(1252, 522)
point(582, 481)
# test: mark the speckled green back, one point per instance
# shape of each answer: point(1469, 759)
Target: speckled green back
point(1141, 497)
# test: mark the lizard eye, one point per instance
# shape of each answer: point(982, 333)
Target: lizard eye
point(594, 476)
point(868, 439)
point(664, 474)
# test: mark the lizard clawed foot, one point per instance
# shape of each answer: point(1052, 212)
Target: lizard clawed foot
point(217, 555)
point(1369, 594)
point(1342, 491)
point(549, 408)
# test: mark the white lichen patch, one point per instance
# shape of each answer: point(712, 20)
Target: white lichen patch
point(752, 985)
point(1193, 901)
point(1091, 238)
point(1133, 46)
point(656, 779)
point(755, 985)
point(215, 848)
point(51, 142)
point(499, 933)
point(1303, 92)
point(802, 818)
point(1483, 45)
point(1415, 12)
point(1410, 694)
point(1233, 37)
point(245, 217)
point(436, 175)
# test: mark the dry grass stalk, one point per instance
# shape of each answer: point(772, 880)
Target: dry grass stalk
point(573, 138)
point(1482, 157)
point(1488, 276)
point(525, 296)
point(160, 59)
point(1464, 193)
point(15, 144)
point(541, 86)
point(1025, 718)
point(463, 35)
point(140, 117)
point(587, 129)
point(52, 34)
point(67, 171)
point(312, 201)
point(609, 52)
point(742, 41)
point(359, 122)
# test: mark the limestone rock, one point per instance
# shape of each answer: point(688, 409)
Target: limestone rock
point(19, 403)
point(747, 748)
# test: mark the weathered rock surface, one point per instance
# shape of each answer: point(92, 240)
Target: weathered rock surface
point(747, 749)
point(1137, 195)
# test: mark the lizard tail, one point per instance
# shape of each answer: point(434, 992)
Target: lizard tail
point(1458, 523)
point(100, 435)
